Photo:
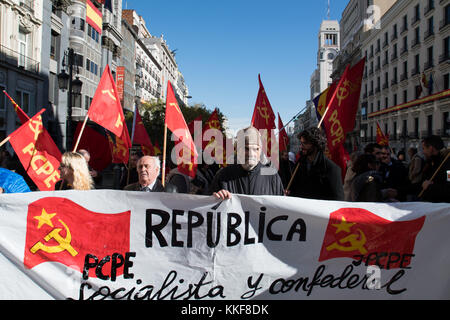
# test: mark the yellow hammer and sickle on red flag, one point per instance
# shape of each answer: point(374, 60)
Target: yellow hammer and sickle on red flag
point(264, 114)
point(64, 243)
point(175, 106)
point(119, 121)
point(110, 93)
point(37, 128)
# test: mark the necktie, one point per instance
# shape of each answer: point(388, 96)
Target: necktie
point(145, 189)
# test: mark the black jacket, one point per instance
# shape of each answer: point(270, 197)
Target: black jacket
point(323, 180)
point(235, 179)
point(439, 191)
point(158, 187)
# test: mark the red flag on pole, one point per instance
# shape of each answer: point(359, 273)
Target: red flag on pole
point(283, 138)
point(263, 117)
point(105, 108)
point(177, 124)
point(382, 139)
point(37, 152)
point(23, 117)
point(140, 134)
point(339, 118)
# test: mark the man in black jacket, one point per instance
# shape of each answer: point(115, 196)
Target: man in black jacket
point(249, 176)
point(317, 177)
point(438, 189)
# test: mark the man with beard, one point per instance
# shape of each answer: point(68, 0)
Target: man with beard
point(317, 177)
point(249, 176)
point(438, 188)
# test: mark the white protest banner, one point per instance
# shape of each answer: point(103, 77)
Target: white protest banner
point(106, 244)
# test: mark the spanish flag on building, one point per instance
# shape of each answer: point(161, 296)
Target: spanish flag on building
point(94, 16)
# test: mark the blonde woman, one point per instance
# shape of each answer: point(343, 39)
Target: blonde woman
point(74, 172)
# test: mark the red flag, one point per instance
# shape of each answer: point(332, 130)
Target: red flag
point(105, 108)
point(283, 138)
point(120, 148)
point(97, 143)
point(362, 235)
point(214, 147)
point(263, 117)
point(23, 117)
point(175, 122)
point(140, 134)
point(342, 105)
point(382, 139)
point(60, 230)
point(37, 152)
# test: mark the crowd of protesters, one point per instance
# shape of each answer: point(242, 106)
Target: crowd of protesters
point(373, 174)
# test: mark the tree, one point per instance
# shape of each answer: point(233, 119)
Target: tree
point(153, 118)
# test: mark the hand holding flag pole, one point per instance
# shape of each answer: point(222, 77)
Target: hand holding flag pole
point(436, 172)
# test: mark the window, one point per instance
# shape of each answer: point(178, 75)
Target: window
point(23, 100)
point(446, 81)
point(53, 44)
point(405, 96)
point(416, 128)
point(405, 128)
point(447, 14)
point(23, 47)
point(446, 124)
point(78, 23)
point(430, 125)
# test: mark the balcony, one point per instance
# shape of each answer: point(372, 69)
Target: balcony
point(394, 82)
point(27, 5)
point(403, 29)
point(428, 65)
point(444, 58)
point(415, 42)
point(403, 50)
point(444, 24)
point(394, 57)
point(18, 60)
point(403, 77)
point(429, 9)
point(415, 20)
point(415, 71)
point(429, 35)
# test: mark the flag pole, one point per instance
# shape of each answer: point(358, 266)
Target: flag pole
point(79, 135)
point(4, 141)
point(163, 177)
point(435, 173)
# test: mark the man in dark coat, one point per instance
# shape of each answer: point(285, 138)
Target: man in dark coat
point(148, 169)
point(438, 189)
point(317, 177)
point(249, 176)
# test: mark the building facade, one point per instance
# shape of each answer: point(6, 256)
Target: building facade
point(21, 55)
point(406, 82)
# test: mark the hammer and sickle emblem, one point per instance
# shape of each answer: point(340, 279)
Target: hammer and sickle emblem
point(110, 93)
point(356, 242)
point(36, 126)
point(263, 112)
point(175, 106)
point(64, 243)
point(119, 121)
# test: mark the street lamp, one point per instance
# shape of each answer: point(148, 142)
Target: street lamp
point(66, 82)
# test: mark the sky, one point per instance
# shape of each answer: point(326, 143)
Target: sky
point(222, 46)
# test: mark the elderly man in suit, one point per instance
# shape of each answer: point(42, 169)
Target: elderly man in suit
point(148, 170)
